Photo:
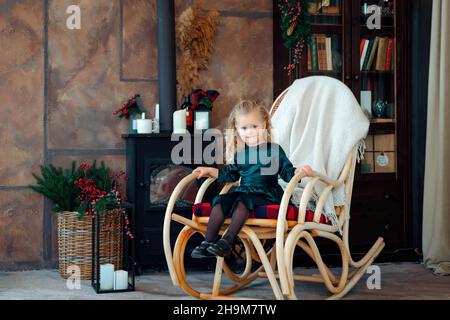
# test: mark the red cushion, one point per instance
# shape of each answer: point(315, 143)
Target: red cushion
point(269, 211)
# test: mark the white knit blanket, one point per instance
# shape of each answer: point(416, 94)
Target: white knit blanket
point(318, 123)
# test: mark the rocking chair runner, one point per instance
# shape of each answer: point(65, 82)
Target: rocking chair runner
point(293, 227)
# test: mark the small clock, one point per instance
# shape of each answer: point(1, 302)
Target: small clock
point(382, 160)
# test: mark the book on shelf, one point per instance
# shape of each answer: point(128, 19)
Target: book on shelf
point(309, 59)
point(366, 53)
point(372, 54)
point(393, 57)
point(390, 47)
point(321, 52)
point(324, 53)
point(361, 46)
point(328, 53)
point(381, 55)
point(363, 51)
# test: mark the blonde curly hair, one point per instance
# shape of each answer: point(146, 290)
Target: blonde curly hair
point(233, 142)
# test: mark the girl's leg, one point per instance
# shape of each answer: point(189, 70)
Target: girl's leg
point(240, 215)
point(222, 248)
point(216, 220)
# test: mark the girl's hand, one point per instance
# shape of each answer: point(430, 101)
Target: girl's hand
point(306, 169)
point(206, 172)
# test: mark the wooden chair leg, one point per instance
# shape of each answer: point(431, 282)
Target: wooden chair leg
point(178, 261)
point(217, 276)
point(291, 242)
point(338, 286)
point(265, 261)
point(359, 273)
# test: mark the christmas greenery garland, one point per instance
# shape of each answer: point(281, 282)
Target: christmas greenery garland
point(295, 26)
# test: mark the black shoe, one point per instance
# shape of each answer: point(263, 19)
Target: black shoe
point(200, 252)
point(221, 248)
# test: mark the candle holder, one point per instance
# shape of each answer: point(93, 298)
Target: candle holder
point(113, 281)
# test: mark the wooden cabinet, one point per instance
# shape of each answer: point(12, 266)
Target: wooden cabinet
point(370, 53)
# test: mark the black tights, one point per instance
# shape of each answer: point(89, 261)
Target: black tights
point(240, 215)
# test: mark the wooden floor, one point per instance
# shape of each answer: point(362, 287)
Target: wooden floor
point(398, 281)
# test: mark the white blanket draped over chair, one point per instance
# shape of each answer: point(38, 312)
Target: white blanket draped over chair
point(319, 122)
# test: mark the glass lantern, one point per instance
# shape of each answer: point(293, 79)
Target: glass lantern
point(202, 118)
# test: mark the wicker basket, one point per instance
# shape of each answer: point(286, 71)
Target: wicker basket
point(75, 243)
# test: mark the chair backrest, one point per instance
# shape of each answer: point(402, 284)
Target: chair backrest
point(347, 173)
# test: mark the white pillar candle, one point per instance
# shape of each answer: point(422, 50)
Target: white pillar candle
point(157, 111)
point(156, 125)
point(179, 121)
point(106, 276)
point(120, 280)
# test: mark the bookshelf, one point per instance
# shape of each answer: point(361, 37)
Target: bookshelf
point(371, 55)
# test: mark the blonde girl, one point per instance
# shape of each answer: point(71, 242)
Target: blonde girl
point(252, 157)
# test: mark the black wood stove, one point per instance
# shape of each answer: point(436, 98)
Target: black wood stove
point(152, 176)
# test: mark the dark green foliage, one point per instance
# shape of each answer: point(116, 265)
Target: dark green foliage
point(302, 30)
point(58, 185)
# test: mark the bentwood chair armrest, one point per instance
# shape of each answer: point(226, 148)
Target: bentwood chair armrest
point(326, 180)
point(167, 222)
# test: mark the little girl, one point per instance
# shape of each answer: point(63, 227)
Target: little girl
point(251, 142)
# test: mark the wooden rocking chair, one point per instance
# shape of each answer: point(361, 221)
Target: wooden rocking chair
point(293, 226)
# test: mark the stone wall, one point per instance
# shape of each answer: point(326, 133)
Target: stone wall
point(59, 87)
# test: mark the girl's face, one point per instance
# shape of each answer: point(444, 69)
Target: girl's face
point(251, 128)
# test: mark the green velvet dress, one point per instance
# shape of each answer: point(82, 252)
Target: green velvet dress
point(259, 168)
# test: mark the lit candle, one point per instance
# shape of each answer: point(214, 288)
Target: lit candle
point(179, 121)
point(106, 276)
point(120, 280)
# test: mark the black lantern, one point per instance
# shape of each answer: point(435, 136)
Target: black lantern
point(202, 118)
point(202, 103)
point(104, 278)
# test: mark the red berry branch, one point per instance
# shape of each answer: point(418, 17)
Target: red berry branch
point(129, 107)
point(101, 194)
